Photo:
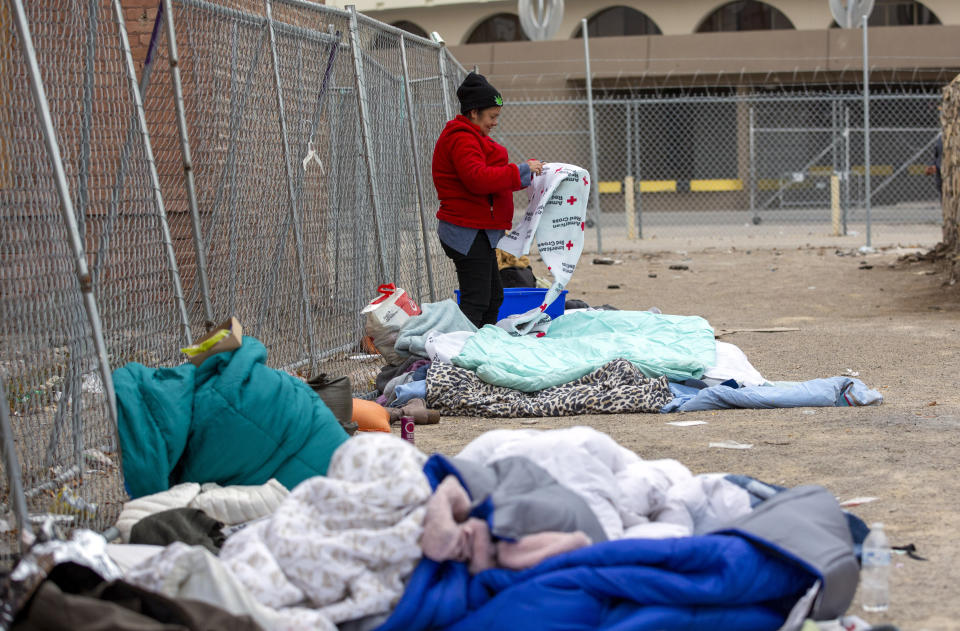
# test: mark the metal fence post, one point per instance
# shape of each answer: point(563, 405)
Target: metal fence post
point(753, 167)
point(294, 215)
point(629, 182)
point(136, 95)
point(415, 151)
point(846, 166)
point(124, 160)
point(834, 129)
point(174, 62)
point(593, 133)
point(866, 125)
point(84, 166)
point(628, 114)
point(361, 90)
point(638, 172)
point(442, 65)
point(12, 464)
point(66, 205)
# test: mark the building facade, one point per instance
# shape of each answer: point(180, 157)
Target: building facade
point(643, 44)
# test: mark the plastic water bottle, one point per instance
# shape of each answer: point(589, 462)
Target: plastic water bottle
point(875, 570)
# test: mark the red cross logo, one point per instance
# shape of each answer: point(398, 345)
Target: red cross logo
point(558, 169)
point(585, 182)
point(548, 268)
point(583, 225)
point(569, 245)
point(543, 307)
point(572, 200)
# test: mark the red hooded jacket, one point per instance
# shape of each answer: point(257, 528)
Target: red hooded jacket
point(474, 181)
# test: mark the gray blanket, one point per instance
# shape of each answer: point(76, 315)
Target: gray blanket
point(444, 317)
point(521, 499)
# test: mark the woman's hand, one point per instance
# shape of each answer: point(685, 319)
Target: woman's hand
point(536, 167)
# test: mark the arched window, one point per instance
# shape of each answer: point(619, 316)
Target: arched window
point(502, 27)
point(410, 27)
point(899, 13)
point(621, 20)
point(745, 15)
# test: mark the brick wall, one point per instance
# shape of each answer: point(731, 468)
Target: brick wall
point(139, 16)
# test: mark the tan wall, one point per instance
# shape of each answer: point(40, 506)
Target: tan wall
point(536, 69)
point(947, 10)
point(456, 20)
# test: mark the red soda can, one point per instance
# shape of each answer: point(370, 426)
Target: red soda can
point(406, 428)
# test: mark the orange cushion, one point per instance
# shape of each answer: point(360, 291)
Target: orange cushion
point(370, 416)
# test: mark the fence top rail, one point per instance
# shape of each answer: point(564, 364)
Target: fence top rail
point(345, 14)
point(387, 28)
point(261, 20)
point(827, 130)
point(638, 99)
point(316, 8)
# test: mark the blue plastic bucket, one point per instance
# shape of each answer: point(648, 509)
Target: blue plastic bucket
point(523, 299)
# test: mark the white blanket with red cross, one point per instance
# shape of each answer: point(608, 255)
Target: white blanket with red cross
point(555, 217)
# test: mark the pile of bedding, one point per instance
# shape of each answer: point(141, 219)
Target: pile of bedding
point(254, 510)
point(589, 362)
point(561, 529)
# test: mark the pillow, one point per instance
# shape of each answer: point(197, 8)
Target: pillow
point(370, 416)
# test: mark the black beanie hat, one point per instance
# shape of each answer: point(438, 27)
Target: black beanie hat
point(475, 93)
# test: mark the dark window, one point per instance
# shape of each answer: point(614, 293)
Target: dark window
point(899, 13)
point(746, 15)
point(672, 137)
point(502, 27)
point(619, 21)
point(410, 27)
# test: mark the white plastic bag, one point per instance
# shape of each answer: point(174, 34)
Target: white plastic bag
point(385, 314)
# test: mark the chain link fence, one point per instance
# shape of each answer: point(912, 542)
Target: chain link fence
point(271, 162)
point(310, 131)
point(77, 273)
point(696, 165)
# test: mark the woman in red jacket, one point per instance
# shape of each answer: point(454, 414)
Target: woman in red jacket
point(475, 184)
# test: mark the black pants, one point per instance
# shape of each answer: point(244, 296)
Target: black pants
point(481, 292)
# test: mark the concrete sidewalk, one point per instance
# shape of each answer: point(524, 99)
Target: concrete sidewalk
point(701, 237)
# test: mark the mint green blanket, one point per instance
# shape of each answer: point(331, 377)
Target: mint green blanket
point(679, 347)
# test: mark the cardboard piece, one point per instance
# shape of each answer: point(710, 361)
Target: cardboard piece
point(229, 343)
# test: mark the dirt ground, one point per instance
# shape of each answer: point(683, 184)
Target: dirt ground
point(894, 322)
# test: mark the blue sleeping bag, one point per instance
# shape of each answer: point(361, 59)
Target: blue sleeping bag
point(792, 556)
point(708, 582)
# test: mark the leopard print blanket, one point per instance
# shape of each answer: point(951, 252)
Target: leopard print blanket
point(617, 387)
